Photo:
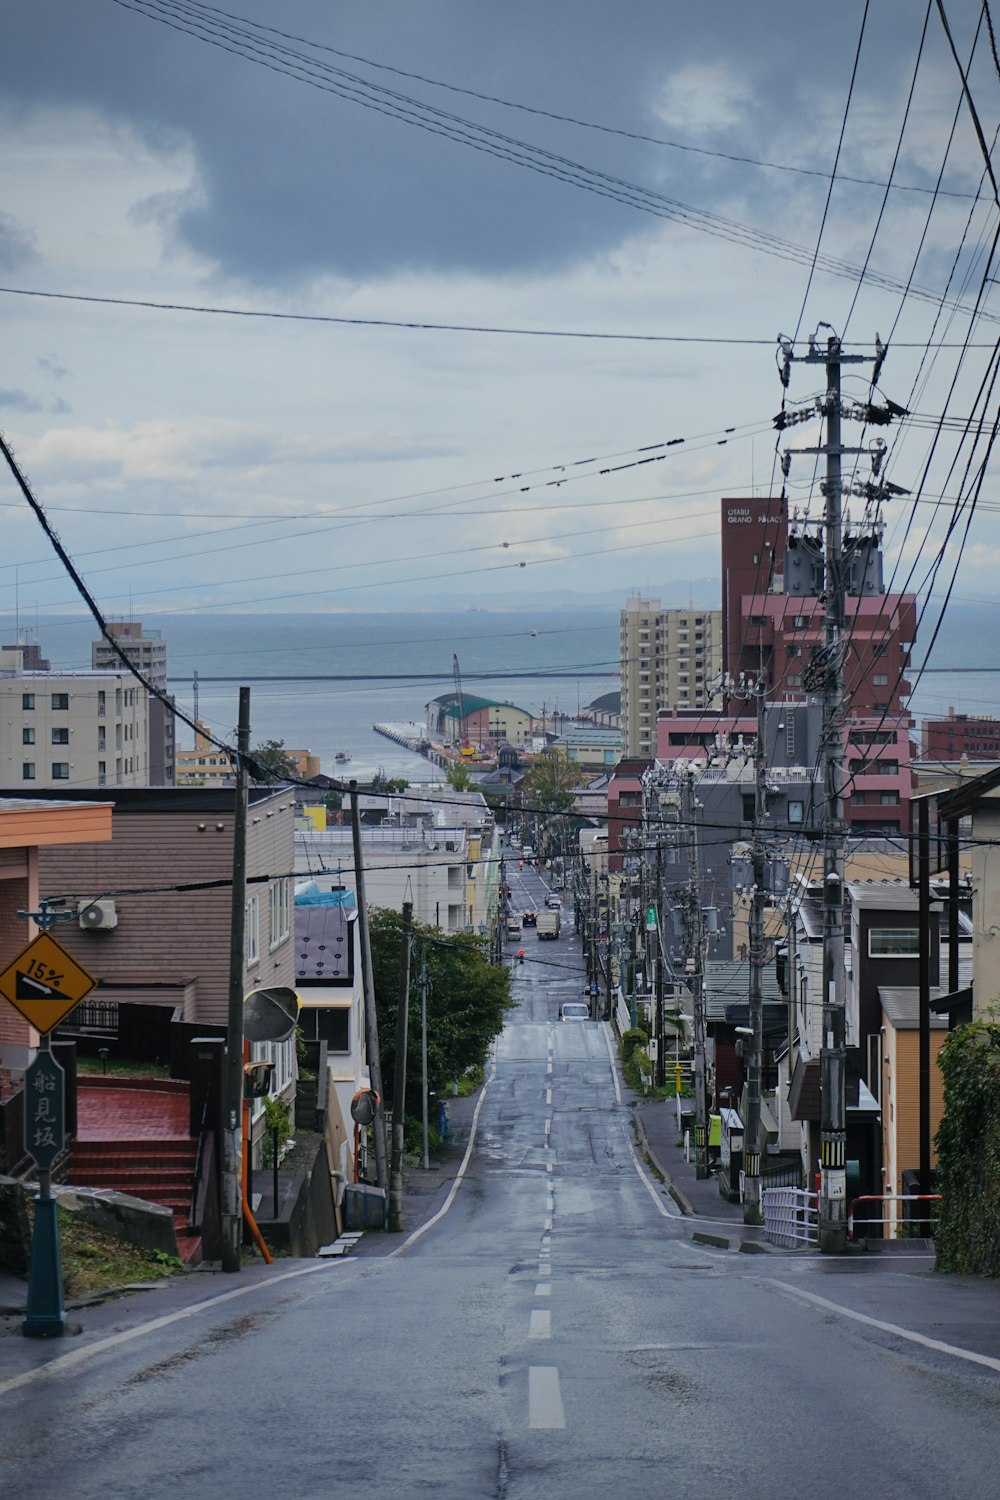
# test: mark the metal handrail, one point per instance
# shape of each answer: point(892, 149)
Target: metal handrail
point(886, 1198)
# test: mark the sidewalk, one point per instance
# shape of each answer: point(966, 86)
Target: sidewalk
point(656, 1131)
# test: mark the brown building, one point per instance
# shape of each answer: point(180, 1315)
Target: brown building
point(772, 610)
point(976, 736)
point(31, 828)
point(163, 887)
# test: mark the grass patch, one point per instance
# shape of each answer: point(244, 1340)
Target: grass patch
point(94, 1261)
point(122, 1068)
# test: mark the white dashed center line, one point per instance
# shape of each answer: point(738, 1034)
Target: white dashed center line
point(545, 1407)
point(540, 1323)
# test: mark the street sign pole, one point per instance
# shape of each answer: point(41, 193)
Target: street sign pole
point(44, 1138)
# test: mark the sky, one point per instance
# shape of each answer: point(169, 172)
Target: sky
point(656, 176)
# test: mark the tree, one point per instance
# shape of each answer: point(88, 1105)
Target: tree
point(333, 801)
point(466, 1001)
point(380, 782)
point(551, 783)
point(272, 758)
point(458, 777)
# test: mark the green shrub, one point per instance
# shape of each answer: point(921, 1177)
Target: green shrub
point(634, 1037)
point(967, 1240)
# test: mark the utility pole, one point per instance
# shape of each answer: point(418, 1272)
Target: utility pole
point(751, 1125)
point(399, 1078)
point(368, 989)
point(827, 673)
point(696, 978)
point(660, 1071)
point(232, 1113)
point(424, 984)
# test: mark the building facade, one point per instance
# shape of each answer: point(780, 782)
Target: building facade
point(669, 658)
point(976, 736)
point(772, 609)
point(72, 729)
point(147, 651)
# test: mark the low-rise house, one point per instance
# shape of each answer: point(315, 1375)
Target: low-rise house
point(328, 978)
point(899, 1095)
point(29, 829)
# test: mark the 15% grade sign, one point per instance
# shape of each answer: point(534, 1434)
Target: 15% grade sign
point(44, 983)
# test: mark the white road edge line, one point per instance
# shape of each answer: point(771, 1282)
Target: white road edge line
point(895, 1329)
point(411, 1239)
point(78, 1356)
point(611, 1059)
point(647, 1184)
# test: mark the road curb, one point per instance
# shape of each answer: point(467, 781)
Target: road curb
point(677, 1193)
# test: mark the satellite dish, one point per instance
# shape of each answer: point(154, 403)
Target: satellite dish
point(270, 1015)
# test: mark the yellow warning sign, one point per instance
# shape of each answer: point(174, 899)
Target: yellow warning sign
point(44, 983)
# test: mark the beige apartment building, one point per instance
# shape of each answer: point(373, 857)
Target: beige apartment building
point(71, 729)
point(669, 659)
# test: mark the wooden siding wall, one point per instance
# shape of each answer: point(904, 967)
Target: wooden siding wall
point(903, 1061)
point(168, 936)
point(14, 934)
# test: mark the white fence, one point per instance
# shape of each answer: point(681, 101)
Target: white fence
point(791, 1216)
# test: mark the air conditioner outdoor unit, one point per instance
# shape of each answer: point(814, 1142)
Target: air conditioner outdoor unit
point(97, 916)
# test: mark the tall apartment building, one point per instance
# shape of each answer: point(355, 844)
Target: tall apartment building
point(60, 729)
point(772, 609)
point(669, 659)
point(148, 652)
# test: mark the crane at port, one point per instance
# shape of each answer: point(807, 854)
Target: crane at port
point(456, 673)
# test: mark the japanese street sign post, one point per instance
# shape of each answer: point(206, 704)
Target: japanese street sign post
point(44, 1139)
point(44, 983)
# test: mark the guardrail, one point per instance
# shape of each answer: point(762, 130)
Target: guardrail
point(888, 1222)
point(791, 1216)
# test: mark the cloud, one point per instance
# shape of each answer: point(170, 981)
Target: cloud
point(17, 245)
point(17, 400)
point(158, 451)
point(50, 364)
point(705, 99)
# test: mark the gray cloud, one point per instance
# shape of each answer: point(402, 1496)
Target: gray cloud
point(295, 182)
point(17, 245)
point(17, 400)
point(51, 365)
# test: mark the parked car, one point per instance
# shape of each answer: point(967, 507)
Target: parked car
point(574, 1010)
point(529, 918)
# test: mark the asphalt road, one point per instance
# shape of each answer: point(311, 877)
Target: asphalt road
point(556, 1333)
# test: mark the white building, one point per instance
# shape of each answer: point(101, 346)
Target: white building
point(61, 729)
point(669, 659)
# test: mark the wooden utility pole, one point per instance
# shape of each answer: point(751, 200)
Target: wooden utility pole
point(232, 1112)
point(399, 1078)
point(368, 988)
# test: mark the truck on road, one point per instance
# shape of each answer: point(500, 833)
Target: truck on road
point(549, 923)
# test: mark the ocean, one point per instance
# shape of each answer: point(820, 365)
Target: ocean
point(386, 667)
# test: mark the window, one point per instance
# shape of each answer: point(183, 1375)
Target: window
point(28, 771)
point(888, 799)
point(27, 700)
point(251, 930)
point(102, 703)
point(102, 773)
point(279, 912)
point(60, 736)
point(893, 942)
point(60, 700)
point(60, 770)
point(27, 736)
point(101, 740)
point(796, 812)
point(880, 679)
